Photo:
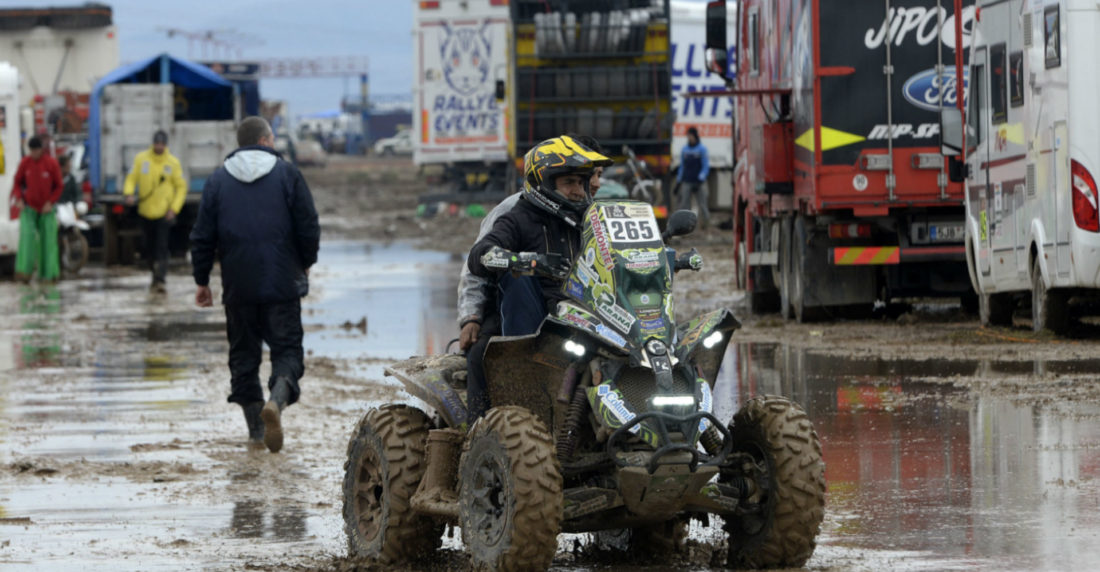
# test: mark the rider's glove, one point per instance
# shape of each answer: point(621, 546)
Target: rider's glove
point(690, 260)
point(526, 263)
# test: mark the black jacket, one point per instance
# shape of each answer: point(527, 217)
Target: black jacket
point(527, 228)
point(257, 217)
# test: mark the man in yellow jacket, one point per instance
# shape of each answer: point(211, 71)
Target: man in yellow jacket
point(158, 179)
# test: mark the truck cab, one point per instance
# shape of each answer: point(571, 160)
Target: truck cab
point(1033, 151)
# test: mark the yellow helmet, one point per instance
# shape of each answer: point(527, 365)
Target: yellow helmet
point(552, 158)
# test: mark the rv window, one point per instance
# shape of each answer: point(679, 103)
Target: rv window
point(754, 41)
point(998, 93)
point(973, 116)
point(1016, 77)
point(1052, 38)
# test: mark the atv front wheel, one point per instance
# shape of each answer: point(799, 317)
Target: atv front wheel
point(384, 467)
point(782, 458)
point(510, 497)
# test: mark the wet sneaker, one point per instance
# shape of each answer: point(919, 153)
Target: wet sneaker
point(158, 288)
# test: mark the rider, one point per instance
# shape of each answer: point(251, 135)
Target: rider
point(478, 310)
point(540, 234)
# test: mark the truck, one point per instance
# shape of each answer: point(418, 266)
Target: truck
point(10, 155)
point(842, 198)
point(196, 107)
point(495, 77)
point(1031, 161)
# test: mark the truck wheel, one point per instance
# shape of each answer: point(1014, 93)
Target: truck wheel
point(785, 268)
point(783, 460)
point(1049, 308)
point(995, 309)
point(384, 467)
point(797, 278)
point(73, 247)
point(510, 496)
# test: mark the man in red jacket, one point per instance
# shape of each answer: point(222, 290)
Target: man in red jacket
point(37, 189)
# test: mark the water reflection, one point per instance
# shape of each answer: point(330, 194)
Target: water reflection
point(947, 475)
point(256, 519)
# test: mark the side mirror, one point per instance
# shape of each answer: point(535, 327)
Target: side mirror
point(957, 170)
point(951, 130)
point(717, 61)
point(680, 223)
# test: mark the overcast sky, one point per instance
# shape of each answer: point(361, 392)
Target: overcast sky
point(379, 29)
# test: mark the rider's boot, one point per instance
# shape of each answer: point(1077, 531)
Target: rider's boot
point(255, 424)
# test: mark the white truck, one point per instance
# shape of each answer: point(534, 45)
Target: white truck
point(1033, 157)
point(461, 53)
point(9, 162)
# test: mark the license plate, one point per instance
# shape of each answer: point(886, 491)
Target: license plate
point(946, 232)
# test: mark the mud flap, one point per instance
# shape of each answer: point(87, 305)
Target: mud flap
point(429, 378)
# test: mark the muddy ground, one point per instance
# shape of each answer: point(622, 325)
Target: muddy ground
point(117, 448)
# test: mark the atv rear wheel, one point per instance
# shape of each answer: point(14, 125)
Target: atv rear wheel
point(510, 496)
point(385, 464)
point(789, 477)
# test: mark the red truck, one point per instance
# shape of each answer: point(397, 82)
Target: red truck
point(841, 193)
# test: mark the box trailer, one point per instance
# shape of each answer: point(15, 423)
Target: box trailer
point(841, 194)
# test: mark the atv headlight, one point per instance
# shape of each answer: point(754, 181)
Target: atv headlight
point(574, 348)
point(712, 340)
point(666, 400)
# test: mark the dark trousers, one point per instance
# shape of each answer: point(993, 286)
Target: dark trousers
point(248, 328)
point(156, 246)
point(477, 387)
point(522, 306)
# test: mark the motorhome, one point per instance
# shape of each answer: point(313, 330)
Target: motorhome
point(1033, 155)
point(10, 154)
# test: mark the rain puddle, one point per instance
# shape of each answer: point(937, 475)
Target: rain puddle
point(116, 443)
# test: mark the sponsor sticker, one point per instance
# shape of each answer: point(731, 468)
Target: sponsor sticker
point(614, 403)
point(617, 315)
point(651, 325)
point(705, 404)
point(601, 237)
point(574, 288)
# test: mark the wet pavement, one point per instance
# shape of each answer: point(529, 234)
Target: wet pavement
point(117, 449)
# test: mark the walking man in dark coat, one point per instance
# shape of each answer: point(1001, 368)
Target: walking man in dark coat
point(258, 221)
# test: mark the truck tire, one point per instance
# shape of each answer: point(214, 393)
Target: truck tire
point(789, 476)
point(384, 467)
point(797, 278)
point(1049, 308)
point(785, 267)
point(995, 309)
point(510, 492)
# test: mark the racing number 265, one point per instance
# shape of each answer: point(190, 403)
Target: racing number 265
point(632, 230)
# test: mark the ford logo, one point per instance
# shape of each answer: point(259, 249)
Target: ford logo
point(927, 88)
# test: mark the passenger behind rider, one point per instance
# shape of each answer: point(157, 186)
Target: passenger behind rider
point(539, 234)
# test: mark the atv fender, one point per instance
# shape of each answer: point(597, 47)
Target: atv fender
point(690, 338)
point(431, 379)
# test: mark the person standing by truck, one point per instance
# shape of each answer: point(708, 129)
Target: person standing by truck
point(158, 180)
point(258, 220)
point(37, 189)
point(694, 169)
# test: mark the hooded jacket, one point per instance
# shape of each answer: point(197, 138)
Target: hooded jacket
point(257, 219)
point(158, 180)
point(38, 181)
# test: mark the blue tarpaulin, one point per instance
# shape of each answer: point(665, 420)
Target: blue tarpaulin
point(213, 96)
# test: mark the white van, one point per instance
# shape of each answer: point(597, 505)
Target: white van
point(1033, 225)
point(9, 161)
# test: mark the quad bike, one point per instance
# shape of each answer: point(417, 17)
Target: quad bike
point(600, 421)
